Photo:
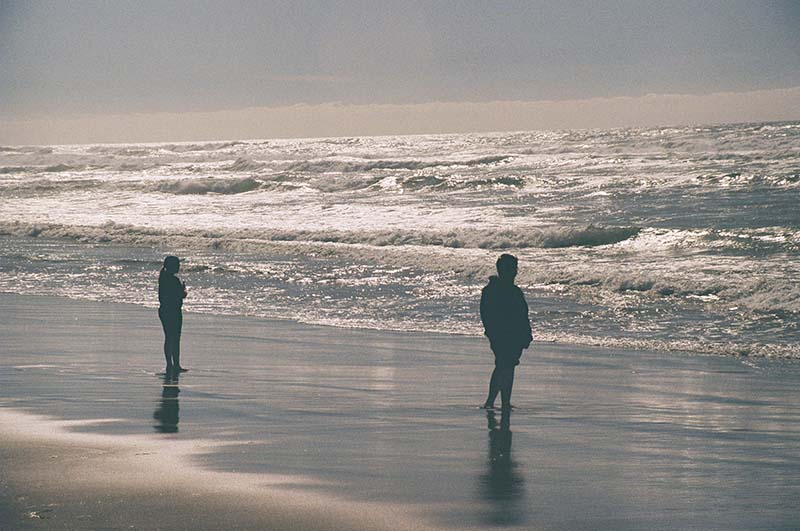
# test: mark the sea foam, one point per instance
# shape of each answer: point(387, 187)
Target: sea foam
point(677, 238)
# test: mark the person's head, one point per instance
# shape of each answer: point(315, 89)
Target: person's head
point(507, 267)
point(172, 264)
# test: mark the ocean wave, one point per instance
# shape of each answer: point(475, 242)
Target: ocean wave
point(134, 166)
point(5, 170)
point(753, 242)
point(189, 186)
point(350, 166)
point(556, 237)
point(744, 242)
point(631, 288)
point(427, 182)
point(145, 150)
point(134, 150)
point(208, 185)
point(244, 164)
point(55, 168)
point(40, 187)
point(40, 150)
point(788, 179)
point(480, 239)
point(732, 290)
point(206, 146)
point(283, 181)
point(768, 296)
point(374, 181)
point(100, 170)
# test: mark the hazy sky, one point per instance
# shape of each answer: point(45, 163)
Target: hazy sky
point(65, 60)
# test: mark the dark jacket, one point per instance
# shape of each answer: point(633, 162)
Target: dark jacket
point(504, 313)
point(171, 292)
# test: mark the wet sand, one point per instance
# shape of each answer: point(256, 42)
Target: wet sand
point(287, 426)
point(57, 478)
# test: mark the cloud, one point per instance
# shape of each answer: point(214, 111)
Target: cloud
point(334, 119)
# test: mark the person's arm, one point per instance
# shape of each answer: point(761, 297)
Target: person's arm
point(485, 315)
point(161, 290)
point(489, 315)
point(176, 292)
point(529, 335)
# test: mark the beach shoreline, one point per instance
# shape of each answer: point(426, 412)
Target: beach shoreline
point(313, 427)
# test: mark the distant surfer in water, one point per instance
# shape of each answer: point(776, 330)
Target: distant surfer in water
point(504, 313)
point(171, 292)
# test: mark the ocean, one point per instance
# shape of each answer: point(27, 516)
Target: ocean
point(669, 238)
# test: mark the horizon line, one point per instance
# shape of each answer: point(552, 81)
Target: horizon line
point(337, 119)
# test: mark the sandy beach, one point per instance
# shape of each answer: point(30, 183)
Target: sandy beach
point(280, 425)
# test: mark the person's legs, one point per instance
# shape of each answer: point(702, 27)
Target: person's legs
point(167, 352)
point(167, 327)
point(506, 384)
point(494, 389)
point(505, 359)
point(176, 353)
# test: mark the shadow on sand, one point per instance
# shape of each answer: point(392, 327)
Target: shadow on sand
point(167, 413)
point(502, 485)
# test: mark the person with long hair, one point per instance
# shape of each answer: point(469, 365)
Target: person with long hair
point(171, 292)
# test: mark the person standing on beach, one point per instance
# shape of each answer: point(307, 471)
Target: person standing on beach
point(171, 292)
point(504, 313)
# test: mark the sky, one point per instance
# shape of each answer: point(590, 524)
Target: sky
point(152, 70)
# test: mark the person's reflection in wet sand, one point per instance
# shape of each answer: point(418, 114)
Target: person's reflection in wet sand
point(167, 412)
point(502, 486)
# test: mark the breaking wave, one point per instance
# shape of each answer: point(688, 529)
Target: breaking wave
point(778, 179)
point(745, 242)
point(387, 246)
point(209, 185)
point(755, 295)
point(687, 236)
point(480, 239)
point(13, 169)
point(753, 242)
point(40, 150)
point(188, 186)
point(590, 236)
point(55, 168)
point(244, 164)
point(343, 166)
point(206, 146)
point(40, 187)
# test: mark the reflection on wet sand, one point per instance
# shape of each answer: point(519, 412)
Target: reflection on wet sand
point(168, 409)
point(502, 485)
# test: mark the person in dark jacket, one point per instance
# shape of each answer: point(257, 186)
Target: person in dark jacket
point(171, 292)
point(504, 313)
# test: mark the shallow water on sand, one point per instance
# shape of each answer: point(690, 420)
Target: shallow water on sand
point(600, 438)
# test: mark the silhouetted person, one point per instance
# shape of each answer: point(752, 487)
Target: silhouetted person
point(504, 313)
point(167, 412)
point(171, 292)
